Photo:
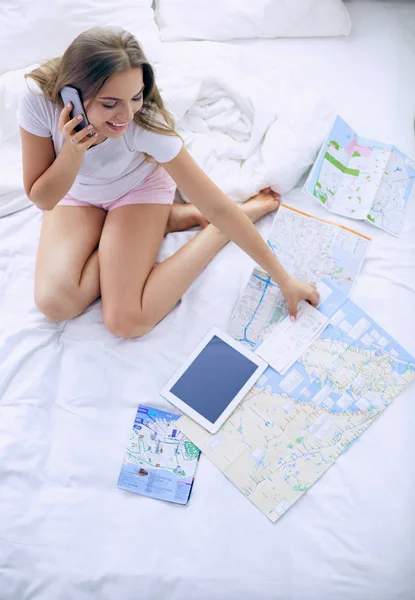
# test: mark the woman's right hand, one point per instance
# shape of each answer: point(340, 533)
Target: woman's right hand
point(79, 142)
point(295, 290)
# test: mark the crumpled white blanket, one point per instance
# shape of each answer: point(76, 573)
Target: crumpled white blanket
point(246, 130)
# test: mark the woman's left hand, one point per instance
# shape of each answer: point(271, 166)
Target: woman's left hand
point(295, 290)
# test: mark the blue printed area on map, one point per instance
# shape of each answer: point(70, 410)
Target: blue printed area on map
point(158, 484)
point(147, 479)
point(409, 175)
point(336, 299)
point(362, 141)
point(147, 414)
point(312, 383)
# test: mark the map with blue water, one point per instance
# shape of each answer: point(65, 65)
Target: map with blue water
point(310, 249)
point(291, 428)
point(160, 461)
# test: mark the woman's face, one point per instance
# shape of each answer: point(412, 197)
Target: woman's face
point(119, 98)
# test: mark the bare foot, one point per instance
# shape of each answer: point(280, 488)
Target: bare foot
point(185, 216)
point(261, 204)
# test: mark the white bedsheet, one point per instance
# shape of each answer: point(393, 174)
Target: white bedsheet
point(69, 392)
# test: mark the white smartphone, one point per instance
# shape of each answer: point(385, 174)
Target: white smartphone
point(71, 94)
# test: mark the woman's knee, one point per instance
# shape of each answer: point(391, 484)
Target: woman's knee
point(126, 323)
point(60, 302)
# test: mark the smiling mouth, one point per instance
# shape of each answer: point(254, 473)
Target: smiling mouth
point(116, 125)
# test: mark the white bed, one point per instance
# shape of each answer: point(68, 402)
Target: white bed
point(69, 392)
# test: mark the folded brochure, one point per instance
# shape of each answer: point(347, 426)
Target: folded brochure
point(362, 179)
point(160, 462)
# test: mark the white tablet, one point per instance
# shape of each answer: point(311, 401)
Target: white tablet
point(214, 379)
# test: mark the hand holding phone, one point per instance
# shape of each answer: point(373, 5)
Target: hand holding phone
point(73, 121)
point(71, 94)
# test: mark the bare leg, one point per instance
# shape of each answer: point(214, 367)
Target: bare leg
point(136, 295)
point(67, 271)
point(67, 276)
point(185, 216)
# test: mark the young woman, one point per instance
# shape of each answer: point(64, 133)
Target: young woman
point(108, 198)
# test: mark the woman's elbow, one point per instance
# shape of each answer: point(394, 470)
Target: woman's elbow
point(43, 205)
point(39, 200)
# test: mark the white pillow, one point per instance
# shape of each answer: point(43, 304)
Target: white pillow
point(36, 31)
point(220, 20)
point(12, 86)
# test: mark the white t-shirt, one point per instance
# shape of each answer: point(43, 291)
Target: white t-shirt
point(110, 169)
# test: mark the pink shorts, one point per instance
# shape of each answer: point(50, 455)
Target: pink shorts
point(157, 188)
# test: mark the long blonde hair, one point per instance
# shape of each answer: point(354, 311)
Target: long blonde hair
point(91, 59)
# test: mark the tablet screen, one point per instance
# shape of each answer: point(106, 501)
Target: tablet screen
point(213, 379)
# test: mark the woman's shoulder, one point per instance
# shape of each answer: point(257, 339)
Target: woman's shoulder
point(163, 145)
point(32, 94)
point(36, 113)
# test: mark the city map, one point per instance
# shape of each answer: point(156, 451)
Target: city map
point(308, 248)
point(362, 179)
point(160, 461)
point(291, 428)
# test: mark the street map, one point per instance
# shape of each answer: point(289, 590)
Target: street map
point(291, 428)
point(362, 179)
point(308, 248)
